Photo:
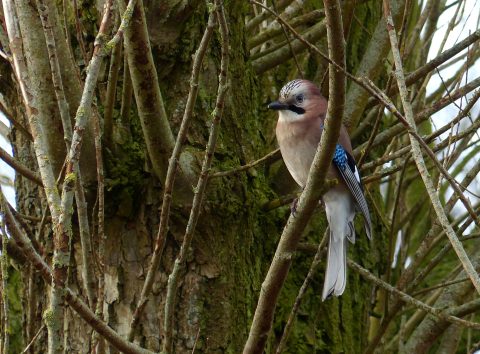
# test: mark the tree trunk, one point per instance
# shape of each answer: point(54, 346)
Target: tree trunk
point(235, 238)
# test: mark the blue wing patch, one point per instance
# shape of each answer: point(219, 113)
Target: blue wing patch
point(340, 156)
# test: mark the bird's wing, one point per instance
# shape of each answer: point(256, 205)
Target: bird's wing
point(345, 164)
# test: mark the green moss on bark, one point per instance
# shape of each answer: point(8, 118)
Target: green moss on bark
point(15, 306)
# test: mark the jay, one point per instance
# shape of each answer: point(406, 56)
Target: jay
point(302, 110)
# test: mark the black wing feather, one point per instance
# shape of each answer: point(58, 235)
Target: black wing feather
point(356, 188)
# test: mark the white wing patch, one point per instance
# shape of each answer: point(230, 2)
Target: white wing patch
point(357, 175)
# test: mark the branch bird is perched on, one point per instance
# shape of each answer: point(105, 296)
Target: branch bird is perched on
point(302, 111)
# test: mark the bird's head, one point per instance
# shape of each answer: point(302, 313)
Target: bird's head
point(298, 100)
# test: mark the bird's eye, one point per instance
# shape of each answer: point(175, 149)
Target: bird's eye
point(299, 98)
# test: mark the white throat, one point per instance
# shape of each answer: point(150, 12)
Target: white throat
point(288, 116)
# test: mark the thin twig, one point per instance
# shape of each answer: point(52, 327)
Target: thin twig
point(281, 53)
point(444, 315)
point(376, 125)
point(79, 32)
point(422, 116)
point(418, 139)
point(279, 202)
point(273, 155)
point(301, 294)
point(429, 138)
point(289, 42)
point(101, 211)
point(397, 193)
point(115, 63)
point(254, 22)
point(441, 285)
point(27, 348)
point(196, 339)
point(438, 258)
point(171, 173)
point(407, 280)
point(424, 70)
point(32, 218)
point(217, 114)
point(36, 245)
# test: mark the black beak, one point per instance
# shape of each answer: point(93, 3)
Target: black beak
point(278, 106)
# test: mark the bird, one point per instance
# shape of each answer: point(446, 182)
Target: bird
point(301, 115)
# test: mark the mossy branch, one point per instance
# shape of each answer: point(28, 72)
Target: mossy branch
point(156, 129)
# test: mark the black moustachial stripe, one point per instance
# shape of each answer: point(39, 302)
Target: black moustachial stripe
point(296, 109)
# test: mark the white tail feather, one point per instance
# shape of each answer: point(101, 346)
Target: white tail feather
point(336, 271)
point(340, 210)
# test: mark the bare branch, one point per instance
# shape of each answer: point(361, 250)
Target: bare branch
point(79, 32)
point(292, 232)
point(444, 315)
point(412, 131)
point(217, 114)
point(15, 123)
point(417, 154)
point(271, 156)
point(171, 172)
point(440, 286)
point(19, 168)
point(126, 94)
